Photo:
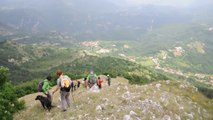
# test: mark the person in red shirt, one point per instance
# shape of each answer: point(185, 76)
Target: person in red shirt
point(99, 82)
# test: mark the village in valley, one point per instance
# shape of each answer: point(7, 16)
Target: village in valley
point(157, 60)
point(177, 52)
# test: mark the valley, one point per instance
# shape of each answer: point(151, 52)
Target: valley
point(40, 58)
point(158, 53)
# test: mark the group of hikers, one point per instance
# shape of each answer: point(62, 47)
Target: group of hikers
point(66, 85)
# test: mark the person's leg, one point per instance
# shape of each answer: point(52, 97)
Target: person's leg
point(67, 97)
point(71, 88)
point(63, 100)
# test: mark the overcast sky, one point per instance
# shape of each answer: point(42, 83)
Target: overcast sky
point(177, 3)
point(161, 2)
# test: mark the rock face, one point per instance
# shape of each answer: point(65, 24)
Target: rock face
point(164, 100)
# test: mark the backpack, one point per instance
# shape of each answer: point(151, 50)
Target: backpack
point(108, 78)
point(40, 85)
point(65, 84)
point(92, 79)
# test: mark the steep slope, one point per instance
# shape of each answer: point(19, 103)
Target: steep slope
point(159, 100)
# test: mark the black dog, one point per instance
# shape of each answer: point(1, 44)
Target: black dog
point(45, 102)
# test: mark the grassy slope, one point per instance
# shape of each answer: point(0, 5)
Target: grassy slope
point(40, 59)
point(172, 99)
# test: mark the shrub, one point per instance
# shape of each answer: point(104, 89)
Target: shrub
point(9, 103)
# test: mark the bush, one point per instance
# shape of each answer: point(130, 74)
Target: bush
point(26, 88)
point(203, 88)
point(206, 91)
point(9, 103)
point(29, 87)
point(135, 79)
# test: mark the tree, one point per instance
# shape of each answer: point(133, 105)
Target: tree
point(9, 103)
point(3, 75)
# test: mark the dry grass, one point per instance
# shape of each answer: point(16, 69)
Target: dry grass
point(173, 99)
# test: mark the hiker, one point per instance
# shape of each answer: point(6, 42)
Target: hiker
point(85, 82)
point(108, 79)
point(99, 82)
point(75, 84)
point(72, 86)
point(64, 83)
point(78, 83)
point(91, 79)
point(46, 87)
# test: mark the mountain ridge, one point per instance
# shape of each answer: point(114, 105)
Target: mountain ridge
point(158, 100)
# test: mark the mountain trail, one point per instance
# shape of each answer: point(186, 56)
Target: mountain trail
point(164, 100)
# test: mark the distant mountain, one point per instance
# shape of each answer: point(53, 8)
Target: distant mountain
point(6, 30)
point(93, 19)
